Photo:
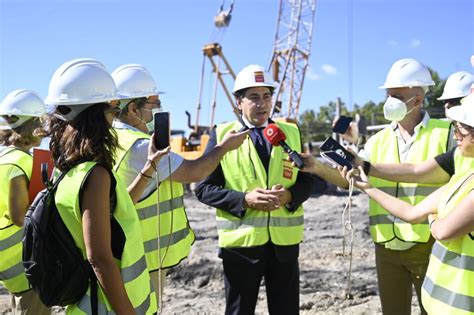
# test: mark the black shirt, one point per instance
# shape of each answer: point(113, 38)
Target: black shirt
point(446, 161)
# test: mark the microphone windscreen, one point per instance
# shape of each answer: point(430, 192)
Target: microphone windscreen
point(274, 135)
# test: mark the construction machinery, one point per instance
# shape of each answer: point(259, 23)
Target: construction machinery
point(288, 64)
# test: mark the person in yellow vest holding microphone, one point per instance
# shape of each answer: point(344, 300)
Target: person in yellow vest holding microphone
point(96, 208)
point(448, 287)
point(402, 249)
point(20, 130)
point(133, 124)
point(258, 195)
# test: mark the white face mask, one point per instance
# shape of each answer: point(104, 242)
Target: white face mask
point(395, 109)
point(151, 124)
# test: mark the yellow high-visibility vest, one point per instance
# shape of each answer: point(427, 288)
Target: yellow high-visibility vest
point(448, 287)
point(462, 164)
point(12, 272)
point(132, 264)
point(429, 142)
point(243, 171)
point(176, 236)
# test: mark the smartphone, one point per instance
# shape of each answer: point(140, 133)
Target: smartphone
point(162, 130)
point(342, 124)
point(335, 158)
point(332, 145)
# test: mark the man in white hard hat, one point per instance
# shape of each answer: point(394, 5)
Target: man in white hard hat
point(257, 194)
point(438, 169)
point(458, 85)
point(401, 249)
point(140, 100)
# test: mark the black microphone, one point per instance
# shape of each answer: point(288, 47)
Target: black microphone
point(277, 137)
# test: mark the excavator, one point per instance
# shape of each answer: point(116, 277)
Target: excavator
point(288, 64)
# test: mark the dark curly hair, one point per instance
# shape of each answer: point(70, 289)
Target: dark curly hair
point(88, 137)
point(27, 134)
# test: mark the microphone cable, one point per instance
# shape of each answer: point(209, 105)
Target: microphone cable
point(160, 302)
point(347, 226)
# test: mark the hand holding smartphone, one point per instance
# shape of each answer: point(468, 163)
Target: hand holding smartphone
point(332, 151)
point(342, 124)
point(162, 130)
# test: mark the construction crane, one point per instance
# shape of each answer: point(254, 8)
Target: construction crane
point(290, 55)
point(288, 63)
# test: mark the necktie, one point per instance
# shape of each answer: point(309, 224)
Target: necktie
point(261, 146)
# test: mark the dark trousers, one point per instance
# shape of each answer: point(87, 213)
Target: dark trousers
point(243, 275)
point(397, 272)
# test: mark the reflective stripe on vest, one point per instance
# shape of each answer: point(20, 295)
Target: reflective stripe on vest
point(260, 222)
point(176, 240)
point(448, 287)
point(11, 267)
point(429, 142)
point(243, 171)
point(132, 264)
point(85, 306)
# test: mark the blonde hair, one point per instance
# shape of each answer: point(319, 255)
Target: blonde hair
point(26, 134)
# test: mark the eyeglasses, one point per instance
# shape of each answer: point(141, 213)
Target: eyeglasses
point(457, 130)
point(156, 104)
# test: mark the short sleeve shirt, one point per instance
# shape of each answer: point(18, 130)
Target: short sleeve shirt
point(136, 158)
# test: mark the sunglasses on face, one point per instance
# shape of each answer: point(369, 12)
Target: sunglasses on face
point(452, 102)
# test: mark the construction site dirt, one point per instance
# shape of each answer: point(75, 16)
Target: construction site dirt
point(196, 286)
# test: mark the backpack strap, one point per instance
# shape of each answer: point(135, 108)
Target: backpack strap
point(94, 299)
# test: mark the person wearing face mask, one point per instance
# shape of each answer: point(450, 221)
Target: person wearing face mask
point(438, 169)
point(448, 287)
point(402, 249)
point(258, 197)
point(133, 123)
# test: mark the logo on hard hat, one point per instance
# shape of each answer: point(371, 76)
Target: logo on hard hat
point(259, 77)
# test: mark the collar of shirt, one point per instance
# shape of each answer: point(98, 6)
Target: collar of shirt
point(423, 123)
point(121, 125)
point(250, 125)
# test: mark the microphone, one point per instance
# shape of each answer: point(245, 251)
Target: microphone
point(277, 137)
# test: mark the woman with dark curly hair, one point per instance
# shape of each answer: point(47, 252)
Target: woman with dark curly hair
point(97, 209)
point(20, 130)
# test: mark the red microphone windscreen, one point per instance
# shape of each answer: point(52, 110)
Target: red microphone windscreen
point(274, 135)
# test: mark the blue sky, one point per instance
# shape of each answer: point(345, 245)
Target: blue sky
point(166, 36)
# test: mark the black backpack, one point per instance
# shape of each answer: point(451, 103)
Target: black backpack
point(54, 266)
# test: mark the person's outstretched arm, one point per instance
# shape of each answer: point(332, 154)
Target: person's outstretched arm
point(191, 171)
point(399, 208)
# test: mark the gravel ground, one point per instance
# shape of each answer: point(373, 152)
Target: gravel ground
point(196, 286)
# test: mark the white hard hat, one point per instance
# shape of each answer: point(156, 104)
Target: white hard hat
point(79, 82)
point(408, 73)
point(253, 76)
point(22, 103)
point(457, 85)
point(133, 81)
point(463, 113)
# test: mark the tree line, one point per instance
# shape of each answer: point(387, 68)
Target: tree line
point(316, 126)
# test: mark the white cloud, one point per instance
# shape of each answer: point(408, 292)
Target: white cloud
point(329, 69)
point(392, 43)
point(311, 75)
point(415, 43)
